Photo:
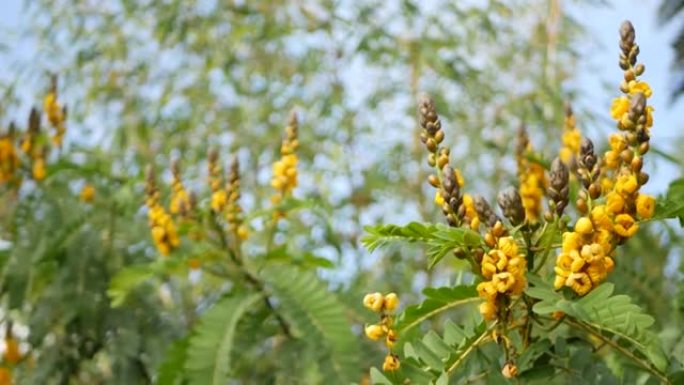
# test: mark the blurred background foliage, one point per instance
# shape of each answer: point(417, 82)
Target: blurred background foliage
point(148, 82)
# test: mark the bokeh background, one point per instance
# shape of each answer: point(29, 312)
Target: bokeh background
point(151, 81)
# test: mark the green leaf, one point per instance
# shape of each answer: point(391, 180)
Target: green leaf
point(672, 205)
point(377, 378)
point(437, 300)
point(383, 235)
point(439, 239)
point(125, 281)
point(170, 371)
point(211, 345)
point(315, 315)
point(604, 312)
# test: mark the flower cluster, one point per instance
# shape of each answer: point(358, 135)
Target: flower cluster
point(532, 179)
point(180, 199)
point(503, 269)
point(233, 208)
point(284, 178)
point(585, 257)
point(571, 139)
point(587, 253)
point(448, 181)
point(9, 160)
point(163, 229)
point(219, 197)
point(56, 114)
point(385, 306)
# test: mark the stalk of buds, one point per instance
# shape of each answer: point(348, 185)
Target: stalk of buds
point(447, 181)
point(588, 171)
point(558, 188)
point(511, 205)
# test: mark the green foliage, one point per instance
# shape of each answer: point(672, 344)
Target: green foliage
point(210, 347)
point(316, 316)
point(440, 239)
point(437, 300)
point(600, 311)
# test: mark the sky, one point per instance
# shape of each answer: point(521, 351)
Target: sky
point(597, 68)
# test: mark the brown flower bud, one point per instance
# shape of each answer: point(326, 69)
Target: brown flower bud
point(559, 186)
point(484, 211)
point(511, 205)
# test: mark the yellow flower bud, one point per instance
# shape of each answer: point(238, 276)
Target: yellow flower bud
point(374, 332)
point(488, 310)
point(509, 370)
point(87, 193)
point(584, 226)
point(391, 363)
point(391, 301)
point(374, 302)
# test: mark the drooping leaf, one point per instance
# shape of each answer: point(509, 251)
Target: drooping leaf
point(171, 369)
point(315, 315)
point(210, 346)
point(437, 300)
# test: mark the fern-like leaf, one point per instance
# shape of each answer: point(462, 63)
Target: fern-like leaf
point(437, 300)
point(604, 312)
point(440, 239)
point(209, 350)
point(318, 317)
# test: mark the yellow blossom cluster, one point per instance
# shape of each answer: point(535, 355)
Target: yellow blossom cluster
point(571, 139)
point(9, 160)
point(180, 199)
point(163, 229)
point(233, 208)
point(586, 254)
point(5, 376)
point(56, 114)
point(284, 178)
point(503, 269)
point(219, 197)
point(533, 181)
point(384, 305)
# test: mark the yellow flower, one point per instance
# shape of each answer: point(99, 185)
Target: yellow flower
point(38, 169)
point(5, 376)
point(571, 241)
point(374, 332)
point(391, 301)
point(597, 272)
point(640, 86)
point(459, 178)
point(625, 225)
point(509, 370)
point(626, 184)
point(439, 200)
point(559, 281)
point(584, 226)
point(488, 310)
point(617, 142)
point(508, 246)
point(12, 353)
point(242, 233)
point(391, 338)
point(487, 290)
point(219, 200)
point(600, 217)
point(503, 281)
point(579, 283)
point(391, 363)
point(645, 205)
point(614, 203)
point(374, 301)
point(649, 116)
point(619, 107)
point(87, 193)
